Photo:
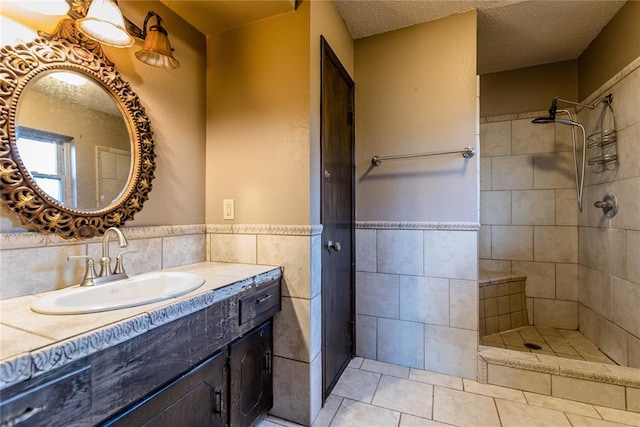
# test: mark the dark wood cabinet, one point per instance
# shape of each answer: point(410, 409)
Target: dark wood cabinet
point(197, 398)
point(251, 376)
point(208, 368)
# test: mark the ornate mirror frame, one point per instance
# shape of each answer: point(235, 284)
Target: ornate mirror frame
point(68, 49)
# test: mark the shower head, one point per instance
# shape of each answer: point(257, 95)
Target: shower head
point(552, 114)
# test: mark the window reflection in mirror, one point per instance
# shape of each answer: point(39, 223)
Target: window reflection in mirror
point(81, 135)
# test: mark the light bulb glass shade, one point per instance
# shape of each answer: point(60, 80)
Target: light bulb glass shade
point(156, 50)
point(46, 7)
point(104, 23)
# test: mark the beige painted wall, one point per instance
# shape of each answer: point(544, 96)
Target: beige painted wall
point(258, 114)
point(615, 47)
point(527, 89)
point(416, 92)
point(174, 101)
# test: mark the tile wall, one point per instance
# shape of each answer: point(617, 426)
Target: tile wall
point(417, 295)
point(529, 214)
point(297, 362)
point(609, 249)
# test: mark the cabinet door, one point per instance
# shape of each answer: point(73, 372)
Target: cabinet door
point(251, 376)
point(197, 398)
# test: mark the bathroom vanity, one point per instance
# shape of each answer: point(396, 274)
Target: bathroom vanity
point(202, 359)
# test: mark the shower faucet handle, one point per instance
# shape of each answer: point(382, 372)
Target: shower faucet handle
point(609, 205)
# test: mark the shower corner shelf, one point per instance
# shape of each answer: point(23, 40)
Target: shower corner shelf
point(604, 141)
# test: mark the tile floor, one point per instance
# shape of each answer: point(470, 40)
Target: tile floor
point(372, 393)
point(553, 342)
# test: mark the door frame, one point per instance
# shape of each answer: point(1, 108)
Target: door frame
point(327, 54)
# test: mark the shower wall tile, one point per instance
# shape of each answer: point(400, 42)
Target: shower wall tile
point(512, 243)
point(553, 170)
point(634, 358)
point(626, 102)
point(625, 297)
point(555, 313)
point(495, 207)
point(594, 291)
point(451, 351)
point(485, 173)
point(493, 265)
point(633, 253)
point(589, 323)
point(628, 150)
point(566, 207)
point(463, 304)
point(451, 254)
point(627, 191)
point(377, 294)
point(527, 138)
point(495, 139)
point(424, 299)
point(366, 336)
point(541, 278)
point(563, 139)
point(533, 207)
point(604, 249)
point(512, 172)
point(567, 282)
point(484, 242)
point(400, 251)
point(401, 342)
point(555, 244)
point(613, 342)
point(366, 259)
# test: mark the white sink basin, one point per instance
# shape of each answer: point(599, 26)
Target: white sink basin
point(137, 290)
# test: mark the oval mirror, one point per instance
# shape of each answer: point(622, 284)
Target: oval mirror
point(73, 140)
point(77, 152)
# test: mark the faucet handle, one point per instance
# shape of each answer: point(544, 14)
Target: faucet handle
point(119, 266)
point(90, 272)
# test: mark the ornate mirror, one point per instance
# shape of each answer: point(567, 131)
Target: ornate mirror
point(77, 153)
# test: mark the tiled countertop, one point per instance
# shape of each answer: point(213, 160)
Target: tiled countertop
point(32, 343)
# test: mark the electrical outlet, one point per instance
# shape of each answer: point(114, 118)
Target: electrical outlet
point(228, 211)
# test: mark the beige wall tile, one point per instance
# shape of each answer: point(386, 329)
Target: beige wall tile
point(533, 207)
point(293, 339)
point(613, 342)
point(541, 278)
point(567, 282)
point(377, 294)
point(519, 379)
point(366, 250)
point(633, 253)
point(400, 251)
point(633, 399)
point(566, 207)
point(233, 248)
point(484, 242)
point(291, 385)
point(634, 351)
point(553, 170)
point(148, 258)
point(512, 172)
point(495, 207)
point(292, 253)
point(463, 304)
point(451, 351)
point(555, 313)
point(495, 139)
point(485, 173)
point(629, 148)
point(589, 392)
point(589, 323)
point(563, 137)
point(626, 100)
point(451, 254)
point(366, 336)
point(183, 250)
point(495, 265)
point(401, 342)
point(512, 242)
point(594, 290)
point(627, 190)
point(424, 299)
point(626, 300)
point(555, 244)
point(527, 137)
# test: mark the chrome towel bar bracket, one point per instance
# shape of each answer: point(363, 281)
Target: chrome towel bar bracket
point(467, 153)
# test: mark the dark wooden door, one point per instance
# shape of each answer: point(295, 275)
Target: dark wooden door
point(337, 146)
point(251, 377)
point(197, 398)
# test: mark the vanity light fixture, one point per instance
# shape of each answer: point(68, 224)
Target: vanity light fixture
point(156, 50)
point(106, 24)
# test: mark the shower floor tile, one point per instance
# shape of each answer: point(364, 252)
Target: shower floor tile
point(551, 341)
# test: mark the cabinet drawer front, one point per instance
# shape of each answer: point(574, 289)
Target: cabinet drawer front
point(261, 304)
point(61, 401)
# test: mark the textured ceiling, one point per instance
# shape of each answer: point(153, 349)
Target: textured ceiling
point(511, 33)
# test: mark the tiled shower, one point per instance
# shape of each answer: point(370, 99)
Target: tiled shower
point(581, 269)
